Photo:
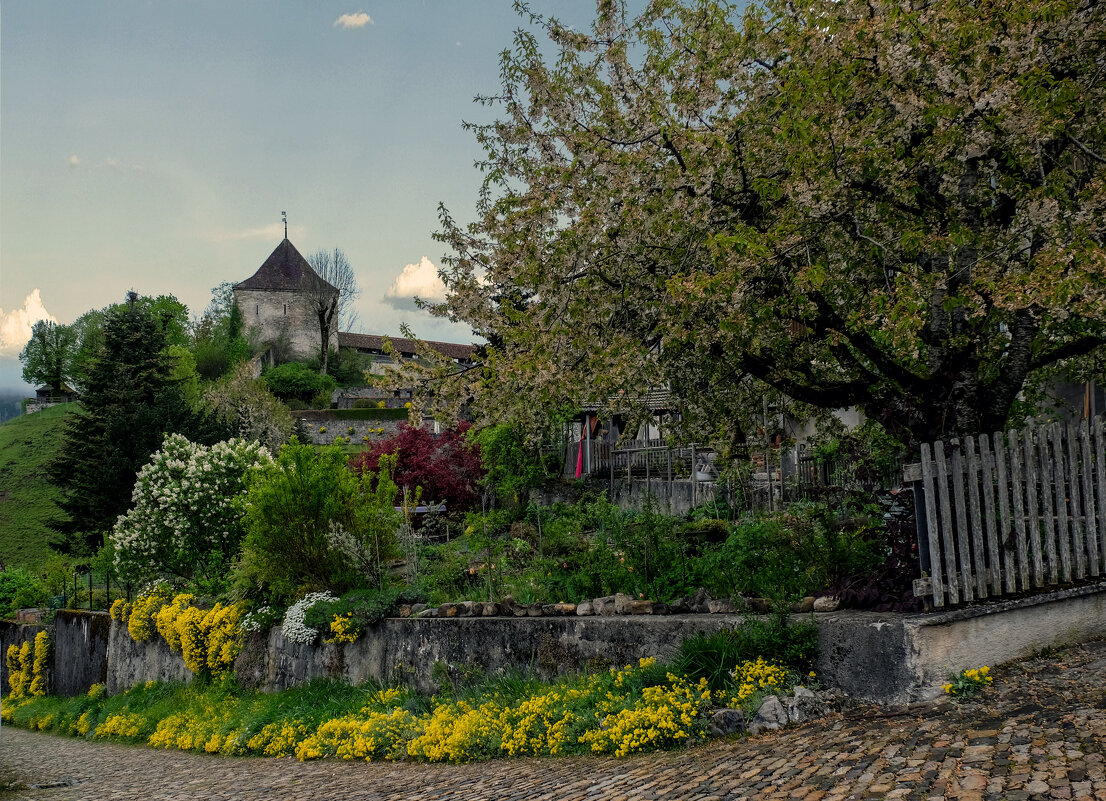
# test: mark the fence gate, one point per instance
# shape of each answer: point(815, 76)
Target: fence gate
point(1014, 511)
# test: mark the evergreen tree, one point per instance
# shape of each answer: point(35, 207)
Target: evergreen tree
point(130, 402)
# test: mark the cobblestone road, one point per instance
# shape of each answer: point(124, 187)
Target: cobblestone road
point(1040, 732)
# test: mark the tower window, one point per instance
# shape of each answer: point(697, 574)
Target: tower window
point(285, 308)
point(257, 309)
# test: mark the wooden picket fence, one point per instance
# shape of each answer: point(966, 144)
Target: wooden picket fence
point(1011, 512)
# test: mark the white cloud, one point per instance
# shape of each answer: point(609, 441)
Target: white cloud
point(351, 21)
point(416, 280)
point(74, 160)
point(15, 326)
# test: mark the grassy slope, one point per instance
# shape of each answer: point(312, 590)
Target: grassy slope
point(27, 445)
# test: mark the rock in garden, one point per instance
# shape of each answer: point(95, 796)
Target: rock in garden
point(722, 607)
point(447, 610)
point(771, 715)
point(662, 609)
point(490, 610)
point(622, 603)
point(725, 722)
point(403, 610)
point(507, 604)
point(805, 706)
point(641, 607)
point(799, 691)
point(519, 610)
point(464, 609)
point(585, 608)
point(604, 605)
point(416, 608)
point(430, 611)
point(534, 610)
point(760, 606)
point(826, 604)
point(807, 604)
point(560, 609)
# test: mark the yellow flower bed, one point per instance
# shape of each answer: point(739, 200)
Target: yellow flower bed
point(208, 639)
point(27, 667)
point(343, 629)
point(759, 677)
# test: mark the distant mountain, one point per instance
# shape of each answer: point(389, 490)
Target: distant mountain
point(11, 404)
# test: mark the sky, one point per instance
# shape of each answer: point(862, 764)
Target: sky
point(153, 144)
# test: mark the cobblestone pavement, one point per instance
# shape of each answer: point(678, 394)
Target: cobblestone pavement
point(1039, 732)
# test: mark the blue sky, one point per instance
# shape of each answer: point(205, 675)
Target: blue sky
point(153, 145)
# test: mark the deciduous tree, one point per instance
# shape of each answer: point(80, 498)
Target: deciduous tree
point(895, 205)
point(48, 355)
point(333, 311)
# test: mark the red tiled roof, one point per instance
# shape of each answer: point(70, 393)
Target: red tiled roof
point(404, 346)
point(284, 269)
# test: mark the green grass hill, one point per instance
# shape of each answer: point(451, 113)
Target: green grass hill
point(27, 500)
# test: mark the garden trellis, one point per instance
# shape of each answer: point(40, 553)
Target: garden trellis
point(1012, 512)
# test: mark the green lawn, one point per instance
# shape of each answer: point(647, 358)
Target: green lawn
point(27, 445)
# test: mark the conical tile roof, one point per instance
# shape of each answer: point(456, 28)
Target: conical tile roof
point(285, 269)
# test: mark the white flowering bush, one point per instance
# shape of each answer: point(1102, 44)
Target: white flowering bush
point(294, 627)
point(259, 620)
point(186, 513)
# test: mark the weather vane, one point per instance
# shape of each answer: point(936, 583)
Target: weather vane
point(284, 217)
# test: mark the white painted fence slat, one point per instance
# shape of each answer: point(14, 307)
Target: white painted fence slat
point(1090, 519)
point(948, 541)
point(932, 528)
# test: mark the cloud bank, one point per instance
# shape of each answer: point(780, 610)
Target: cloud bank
point(15, 325)
point(353, 21)
point(416, 280)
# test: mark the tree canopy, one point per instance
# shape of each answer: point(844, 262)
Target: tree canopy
point(48, 355)
point(128, 404)
point(895, 205)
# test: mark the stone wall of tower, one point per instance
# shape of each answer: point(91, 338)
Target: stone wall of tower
point(272, 312)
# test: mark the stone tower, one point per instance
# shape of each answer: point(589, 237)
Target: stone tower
point(282, 300)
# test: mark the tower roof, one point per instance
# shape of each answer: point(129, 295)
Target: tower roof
point(285, 269)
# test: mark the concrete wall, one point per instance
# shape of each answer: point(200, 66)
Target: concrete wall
point(14, 634)
point(882, 657)
point(672, 497)
point(895, 658)
point(80, 642)
point(131, 662)
point(413, 651)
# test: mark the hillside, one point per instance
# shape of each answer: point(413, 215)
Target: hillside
point(27, 445)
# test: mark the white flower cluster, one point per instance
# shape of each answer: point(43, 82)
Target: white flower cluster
point(255, 621)
point(294, 628)
point(186, 507)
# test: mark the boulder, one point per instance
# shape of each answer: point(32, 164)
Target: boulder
point(771, 715)
point(662, 609)
point(585, 608)
point(759, 606)
point(805, 706)
point(534, 610)
point(490, 609)
point(465, 609)
point(826, 604)
point(560, 610)
point(725, 722)
point(722, 607)
point(603, 606)
point(447, 610)
point(641, 607)
point(416, 608)
point(430, 611)
point(403, 610)
point(622, 603)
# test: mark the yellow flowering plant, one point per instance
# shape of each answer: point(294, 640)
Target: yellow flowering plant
point(968, 682)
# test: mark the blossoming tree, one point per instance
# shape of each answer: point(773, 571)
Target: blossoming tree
point(186, 517)
point(894, 205)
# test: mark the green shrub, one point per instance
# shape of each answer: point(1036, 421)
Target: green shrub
point(20, 590)
point(296, 381)
point(714, 656)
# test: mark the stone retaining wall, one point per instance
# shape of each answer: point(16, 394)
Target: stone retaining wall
point(80, 648)
point(882, 657)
